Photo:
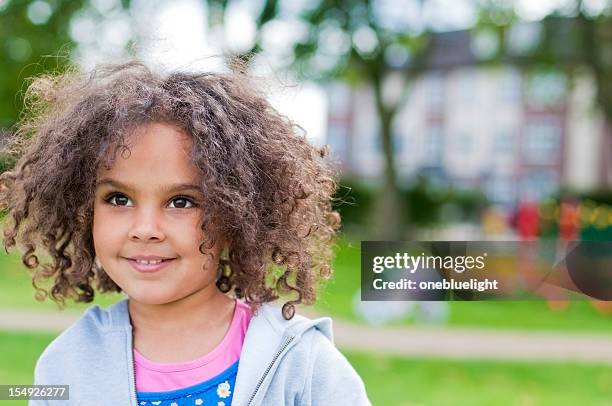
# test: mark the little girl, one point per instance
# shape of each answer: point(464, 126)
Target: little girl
point(195, 198)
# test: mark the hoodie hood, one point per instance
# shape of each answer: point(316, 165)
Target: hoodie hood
point(269, 337)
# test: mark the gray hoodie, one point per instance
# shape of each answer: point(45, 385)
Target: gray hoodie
point(282, 362)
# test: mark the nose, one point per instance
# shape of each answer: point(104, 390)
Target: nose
point(146, 226)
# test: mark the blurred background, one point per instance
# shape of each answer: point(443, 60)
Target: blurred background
point(446, 119)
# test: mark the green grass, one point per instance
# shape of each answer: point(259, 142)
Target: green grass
point(16, 289)
point(395, 381)
point(19, 352)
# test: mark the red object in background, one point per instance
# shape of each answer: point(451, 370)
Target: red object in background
point(569, 220)
point(528, 220)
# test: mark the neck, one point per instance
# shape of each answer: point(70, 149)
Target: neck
point(203, 308)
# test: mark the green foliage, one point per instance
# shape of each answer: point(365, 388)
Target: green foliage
point(595, 214)
point(354, 201)
point(601, 196)
point(35, 40)
point(32, 44)
point(565, 42)
point(349, 59)
point(6, 162)
point(425, 203)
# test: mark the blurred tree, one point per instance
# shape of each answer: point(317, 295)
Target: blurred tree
point(268, 11)
point(34, 38)
point(30, 30)
point(381, 45)
point(596, 46)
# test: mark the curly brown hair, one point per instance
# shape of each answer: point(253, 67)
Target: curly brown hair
point(270, 191)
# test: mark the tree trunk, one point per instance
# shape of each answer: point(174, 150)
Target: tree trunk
point(596, 36)
point(389, 215)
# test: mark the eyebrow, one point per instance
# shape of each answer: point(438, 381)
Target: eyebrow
point(173, 188)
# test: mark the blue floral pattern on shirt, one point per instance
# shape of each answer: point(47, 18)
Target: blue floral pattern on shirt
point(216, 391)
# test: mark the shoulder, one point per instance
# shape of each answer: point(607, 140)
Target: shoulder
point(329, 375)
point(297, 326)
point(92, 322)
point(88, 332)
point(327, 372)
point(323, 355)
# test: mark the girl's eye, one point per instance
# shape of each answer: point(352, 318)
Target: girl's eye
point(120, 200)
point(181, 203)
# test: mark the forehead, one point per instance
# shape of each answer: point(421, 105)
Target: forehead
point(157, 153)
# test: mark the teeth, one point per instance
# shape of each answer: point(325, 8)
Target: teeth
point(149, 262)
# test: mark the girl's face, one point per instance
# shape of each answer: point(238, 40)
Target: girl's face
point(146, 225)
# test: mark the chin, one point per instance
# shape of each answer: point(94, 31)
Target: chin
point(150, 297)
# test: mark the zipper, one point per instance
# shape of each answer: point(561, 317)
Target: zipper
point(267, 371)
point(133, 376)
point(134, 399)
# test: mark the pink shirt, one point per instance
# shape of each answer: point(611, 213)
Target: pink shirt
point(154, 377)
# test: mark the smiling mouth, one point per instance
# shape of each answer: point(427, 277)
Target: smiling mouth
point(149, 264)
point(149, 261)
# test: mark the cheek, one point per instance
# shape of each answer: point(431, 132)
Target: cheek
point(105, 230)
point(185, 234)
point(186, 237)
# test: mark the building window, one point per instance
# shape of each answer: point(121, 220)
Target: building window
point(542, 143)
point(539, 184)
point(469, 87)
point(436, 92)
point(399, 140)
point(398, 143)
point(510, 86)
point(434, 147)
point(376, 144)
point(337, 138)
point(500, 189)
point(464, 144)
point(503, 144)
point(339, 99)
point(546, 89)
